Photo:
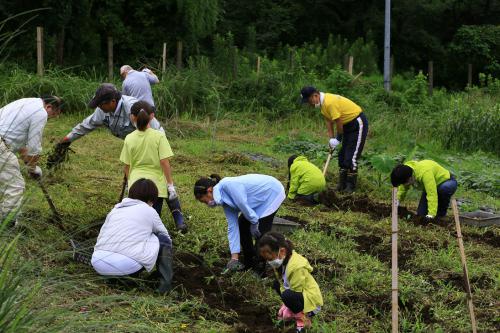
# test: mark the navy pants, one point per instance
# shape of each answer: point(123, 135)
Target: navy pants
point(353, 142)
point(250, 259)
point(444, 191)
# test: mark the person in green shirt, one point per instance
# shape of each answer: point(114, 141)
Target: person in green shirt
point(305, 180)
point(145, 154)
point(437, 183)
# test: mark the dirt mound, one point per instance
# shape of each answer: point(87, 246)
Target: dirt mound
point(197, 279)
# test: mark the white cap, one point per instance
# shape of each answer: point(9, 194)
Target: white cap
point(125, 69)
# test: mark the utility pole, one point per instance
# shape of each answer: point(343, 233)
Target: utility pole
point(387, 46)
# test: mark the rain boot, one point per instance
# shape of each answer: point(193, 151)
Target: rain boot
point(164, 264)
point(175, 208)
point(351, 182)
point(342, 180)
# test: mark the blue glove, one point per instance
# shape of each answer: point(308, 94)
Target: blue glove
point(254, 230)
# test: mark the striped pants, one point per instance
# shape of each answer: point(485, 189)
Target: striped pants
point(11, 182)
point(353, 142)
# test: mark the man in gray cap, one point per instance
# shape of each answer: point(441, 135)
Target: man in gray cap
point(138, 84)
point(112, 110)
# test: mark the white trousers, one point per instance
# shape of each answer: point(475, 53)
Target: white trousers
point(11, 182)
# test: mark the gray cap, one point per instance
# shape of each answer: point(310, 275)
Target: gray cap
point(104, 93)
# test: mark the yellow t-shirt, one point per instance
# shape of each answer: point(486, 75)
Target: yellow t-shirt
point(142, 151)
point(336, 106)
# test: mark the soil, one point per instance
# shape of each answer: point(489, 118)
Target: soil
point(199, 280)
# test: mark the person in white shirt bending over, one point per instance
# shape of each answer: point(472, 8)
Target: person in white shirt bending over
point(133, 238)
point(21, 129)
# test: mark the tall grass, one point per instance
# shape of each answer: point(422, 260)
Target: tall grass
point(459, 120)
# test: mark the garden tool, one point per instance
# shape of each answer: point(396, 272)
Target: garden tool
point(124, 187)
point(56, 217)
point(327, 161)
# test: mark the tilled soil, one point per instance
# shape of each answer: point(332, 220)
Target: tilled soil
point(199, 280)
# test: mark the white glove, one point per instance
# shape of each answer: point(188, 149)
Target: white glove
point(147, 70)
point(36, 172)
point(333, 143)
point(429, 217)
point(172, 194)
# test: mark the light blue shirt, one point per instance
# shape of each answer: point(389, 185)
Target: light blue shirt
point(255, 196)
point(138, 85)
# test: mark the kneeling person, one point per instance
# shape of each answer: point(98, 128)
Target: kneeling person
point(296, 286)
point(134, 238)
point(305, 180)
point(438, 186)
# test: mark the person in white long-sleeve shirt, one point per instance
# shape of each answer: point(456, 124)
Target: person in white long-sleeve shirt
point(134, 238)
point(21, 130)
point(250, 203)
point(138, 83)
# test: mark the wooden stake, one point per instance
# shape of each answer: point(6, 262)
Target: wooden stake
point(469, 75)
point(258, 65)
point(431, 77)
point(164, 58)
point(179, 54)
point(235, 62)
point(394, 241)
point(39, 51)
point(464, 266)
point(351, 64)
point(110, 58)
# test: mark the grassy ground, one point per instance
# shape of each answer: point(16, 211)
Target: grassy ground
point(348, 248)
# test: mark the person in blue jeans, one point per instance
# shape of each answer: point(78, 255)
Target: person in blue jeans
point(437, 183)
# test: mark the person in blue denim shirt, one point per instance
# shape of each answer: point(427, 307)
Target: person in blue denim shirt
point(250, 203)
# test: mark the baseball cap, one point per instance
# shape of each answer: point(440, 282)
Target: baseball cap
point(104, 93)
point(306, 92)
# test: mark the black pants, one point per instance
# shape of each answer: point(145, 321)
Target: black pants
point(353, 142)
point(250, 259)
point(158, 205)
point(293, 300)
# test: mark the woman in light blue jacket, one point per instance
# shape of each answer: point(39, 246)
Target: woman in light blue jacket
point(250, 203)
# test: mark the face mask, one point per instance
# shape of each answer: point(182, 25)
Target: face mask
point(276, 263)
point(211, 204)
point(318, 105)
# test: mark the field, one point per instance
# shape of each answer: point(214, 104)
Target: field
point(347, 240)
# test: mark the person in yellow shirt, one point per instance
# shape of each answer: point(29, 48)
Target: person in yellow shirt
point(294, 283)
point(145, 154)
point(351, 126)
point(437, 183)
point(305, 180)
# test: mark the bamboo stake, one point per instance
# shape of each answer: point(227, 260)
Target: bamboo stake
point(258, 65)
point(39, 51)
point(164, 58)
point(351, 64)
point(464, 266)
point(395, 324)
point(110, 59)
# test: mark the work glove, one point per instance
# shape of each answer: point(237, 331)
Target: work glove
point(172, 194)
point(36, 173)
point(429, 218)
point(254, 230)
point(333, 143)
point(233, 265)
point(147, 70)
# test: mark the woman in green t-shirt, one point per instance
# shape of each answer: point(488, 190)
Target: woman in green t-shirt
point(145, 153)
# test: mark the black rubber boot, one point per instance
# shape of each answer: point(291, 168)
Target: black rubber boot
point(342, 180)
point(351, 182)
point(164, 265)
point(175, 209)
